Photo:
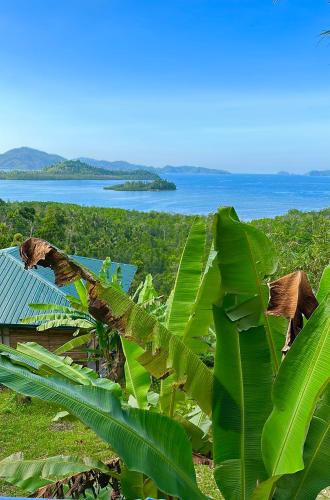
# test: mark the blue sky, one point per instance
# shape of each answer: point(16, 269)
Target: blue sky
point(237, 84)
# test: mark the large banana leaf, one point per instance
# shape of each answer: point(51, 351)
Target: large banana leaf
point(243, 372)
point(241, 405)
point(146, 292)
point(82, 293)
point(73, 319)
point(74, 343)
point(70, 323)
point(187, 280)
point(307, 483)
point(59, 315)
point(303, 376)
point(324, 287)
point(34, 473)
point(136, 376)
point(202, 314)
point(47, 363)
point(50, 307)
point(246, 258)
point(136, 485)
point(21, 359)
point(182, 300)
point(146, 441)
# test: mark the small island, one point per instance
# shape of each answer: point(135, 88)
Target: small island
point(319, 173)
point(157, 185)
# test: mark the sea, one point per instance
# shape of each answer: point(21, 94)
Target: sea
point(254, 196)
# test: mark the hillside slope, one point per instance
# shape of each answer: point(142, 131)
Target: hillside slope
point(27, 159)
point(75, 169)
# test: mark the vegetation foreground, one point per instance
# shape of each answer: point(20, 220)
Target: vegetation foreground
point(232, 371)
point(46, 438)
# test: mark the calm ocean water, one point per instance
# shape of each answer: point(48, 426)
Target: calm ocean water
point(253, 196)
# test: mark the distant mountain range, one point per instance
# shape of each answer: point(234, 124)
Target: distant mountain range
point(32, 159)
point(168, 169)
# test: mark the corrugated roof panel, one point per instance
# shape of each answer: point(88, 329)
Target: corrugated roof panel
point(127, 270)
point(8, 288)
point(21, 295)
point(19, 288)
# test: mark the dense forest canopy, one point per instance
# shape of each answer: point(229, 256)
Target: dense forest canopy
point(153, 241)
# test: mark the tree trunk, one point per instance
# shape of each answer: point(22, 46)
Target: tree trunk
point(115, 369)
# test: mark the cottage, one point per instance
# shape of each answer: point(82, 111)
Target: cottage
point(19, 288)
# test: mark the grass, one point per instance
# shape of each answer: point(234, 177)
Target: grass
point(29, 428)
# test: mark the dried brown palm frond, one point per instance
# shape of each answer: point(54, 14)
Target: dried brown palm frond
point(36, 252)
point(293, 298)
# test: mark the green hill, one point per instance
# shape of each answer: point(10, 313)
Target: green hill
point(75, 169)
point(27, 159)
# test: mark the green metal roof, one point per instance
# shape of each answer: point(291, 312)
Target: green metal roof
point(19, 288)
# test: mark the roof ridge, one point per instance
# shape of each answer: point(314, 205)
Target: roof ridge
point(35, 275)
point(101, 260)
point(9, 250)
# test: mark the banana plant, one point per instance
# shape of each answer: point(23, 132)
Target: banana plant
point(181, 302)
point(137, 378)
point(252, 449)
point(102, 344)
point(246, 355)
point(74, 316)
point(301, 472)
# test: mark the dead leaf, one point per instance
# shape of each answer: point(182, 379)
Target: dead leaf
point(292, 297)
point(36, 252)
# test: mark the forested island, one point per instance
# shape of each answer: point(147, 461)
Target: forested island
point(319, 173)
point(75, 169)
point(157, 185)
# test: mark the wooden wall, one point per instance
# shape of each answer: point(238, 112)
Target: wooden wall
point(51, 339)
